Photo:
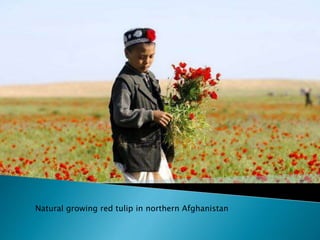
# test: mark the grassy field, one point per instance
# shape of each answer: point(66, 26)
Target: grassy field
point(253, 136)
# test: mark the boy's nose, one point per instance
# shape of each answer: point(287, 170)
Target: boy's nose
point(147, 61)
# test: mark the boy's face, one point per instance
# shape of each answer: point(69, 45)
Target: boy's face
point(141, 56)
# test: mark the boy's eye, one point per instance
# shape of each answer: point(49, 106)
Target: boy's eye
point(145, 57)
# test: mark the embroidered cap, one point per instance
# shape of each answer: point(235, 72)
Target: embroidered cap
point(139, 35)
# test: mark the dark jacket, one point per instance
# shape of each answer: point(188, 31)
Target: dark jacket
point(137, 139)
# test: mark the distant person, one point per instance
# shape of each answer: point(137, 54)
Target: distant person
point(307, 93)
point(137, 117)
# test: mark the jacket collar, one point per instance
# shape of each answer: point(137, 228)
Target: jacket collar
point(141, 83)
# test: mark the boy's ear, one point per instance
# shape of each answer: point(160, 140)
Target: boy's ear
point(126, 53)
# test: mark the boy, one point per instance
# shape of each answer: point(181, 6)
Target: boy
point(136, 112)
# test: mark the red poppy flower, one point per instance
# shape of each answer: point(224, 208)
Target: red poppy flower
point(206, 73)
point(177, 77)
point(175, 98)
point(213, 95)
point(176, 85)
point(91, 178)
point(191, 116)
point(84, 171)
point(63, 166)
point(182, 64)
point(18, 170)
point(218, 75)
point(58, 176)
point(193, 172)
point(183, 168)
point(212, 82)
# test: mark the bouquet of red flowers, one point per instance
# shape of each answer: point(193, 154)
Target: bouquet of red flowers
point(185, 94)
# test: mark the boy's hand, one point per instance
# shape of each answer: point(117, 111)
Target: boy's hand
point(161, 117)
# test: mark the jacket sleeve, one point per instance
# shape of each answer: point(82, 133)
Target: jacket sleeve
point(123, 116)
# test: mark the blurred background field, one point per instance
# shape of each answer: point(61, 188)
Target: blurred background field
point(260, 131)
point(228, 87)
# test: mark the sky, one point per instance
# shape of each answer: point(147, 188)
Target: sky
point(44, 41)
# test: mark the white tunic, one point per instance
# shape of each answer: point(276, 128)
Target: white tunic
point(149, 177)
